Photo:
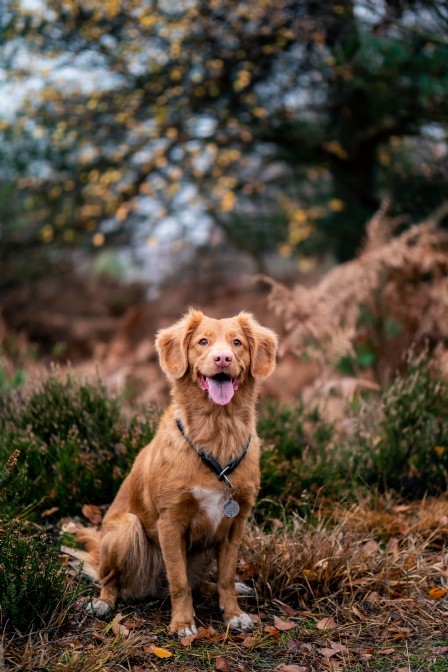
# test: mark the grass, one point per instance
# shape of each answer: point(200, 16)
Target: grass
point(358, 573)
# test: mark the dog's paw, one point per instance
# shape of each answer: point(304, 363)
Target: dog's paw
point(242, 622)
point(242, 589)
point(187, 630)
point(183, 629)
point(98, 608)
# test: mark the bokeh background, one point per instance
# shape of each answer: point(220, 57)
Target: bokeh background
point(161, 154)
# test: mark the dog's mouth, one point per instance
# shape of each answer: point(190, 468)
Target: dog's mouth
point(220, 388)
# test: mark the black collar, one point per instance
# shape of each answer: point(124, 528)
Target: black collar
point(210, 461)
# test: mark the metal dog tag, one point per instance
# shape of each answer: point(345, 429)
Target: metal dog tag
point(231, 508)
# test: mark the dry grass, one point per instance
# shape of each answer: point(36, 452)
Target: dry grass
point(359, 588)
point(366, 555)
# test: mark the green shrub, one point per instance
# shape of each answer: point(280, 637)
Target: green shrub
point(296, 455)
point(65, 442)
point(400, 442)
point(35, 590)
point(406, 447)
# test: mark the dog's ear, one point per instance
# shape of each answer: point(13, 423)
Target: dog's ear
point(263, 344)
point(172, 344)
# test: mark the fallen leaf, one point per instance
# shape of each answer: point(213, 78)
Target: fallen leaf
point(221, 664)
point(117, 628)
point(92, 513)
point(358, 613)
point(370, 547)
point(372, 597)
point(326, 624)
point(188, 640)
point(402, 629)
point(249, 642)
point(283, 625)
point(290, 668)
point(387, 652)
point(440, 650)
point(272, 631)
point(339, 648)
point(392, 545)
point(160, 653)
point(294, 645)
point(327, 652)
point(437, 592)
point(205, 633)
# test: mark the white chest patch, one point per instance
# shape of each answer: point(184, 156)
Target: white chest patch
point(212, 502)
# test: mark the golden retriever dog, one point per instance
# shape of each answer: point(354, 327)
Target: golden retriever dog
point(191, 489)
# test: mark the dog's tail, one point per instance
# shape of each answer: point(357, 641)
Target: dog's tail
point(90, 557)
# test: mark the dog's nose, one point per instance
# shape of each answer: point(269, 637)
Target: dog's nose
point(223, 359)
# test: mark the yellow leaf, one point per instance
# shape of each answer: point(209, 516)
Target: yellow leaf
point(437, 592)
point(148, 21)
point(98, 239)
point(228, 201)
point(259, 112)
point(159, 652)
point(46, 234)
point(335, 147)
point(336, 205)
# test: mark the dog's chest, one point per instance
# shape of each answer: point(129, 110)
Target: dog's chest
point(211, 502)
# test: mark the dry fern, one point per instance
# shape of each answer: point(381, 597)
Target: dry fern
point(404, 277)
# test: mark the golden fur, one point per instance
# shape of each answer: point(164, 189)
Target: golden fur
point(166, 521)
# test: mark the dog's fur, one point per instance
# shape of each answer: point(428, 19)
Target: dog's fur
point(167, 518)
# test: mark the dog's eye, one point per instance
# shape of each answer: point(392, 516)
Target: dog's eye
point(236, 341)
point(203, 341)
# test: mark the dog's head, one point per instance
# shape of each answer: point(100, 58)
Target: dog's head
point(217, 355)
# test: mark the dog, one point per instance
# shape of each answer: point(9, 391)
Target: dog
point(191, 489)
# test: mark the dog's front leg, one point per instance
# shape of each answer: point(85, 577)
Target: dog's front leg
point(173, 545)
point(227, 561)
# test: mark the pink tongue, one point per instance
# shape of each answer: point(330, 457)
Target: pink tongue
point(221, 391)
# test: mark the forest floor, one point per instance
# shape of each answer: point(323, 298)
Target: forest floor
point(379, 604)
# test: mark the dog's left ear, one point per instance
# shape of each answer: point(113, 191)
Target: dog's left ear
point(263, 345)
point(172, 344)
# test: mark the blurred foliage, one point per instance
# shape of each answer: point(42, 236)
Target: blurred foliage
point(283, 120)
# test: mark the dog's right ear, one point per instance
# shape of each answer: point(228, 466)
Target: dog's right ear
point(172, 344)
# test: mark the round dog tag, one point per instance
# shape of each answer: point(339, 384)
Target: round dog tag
point(231, 508)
